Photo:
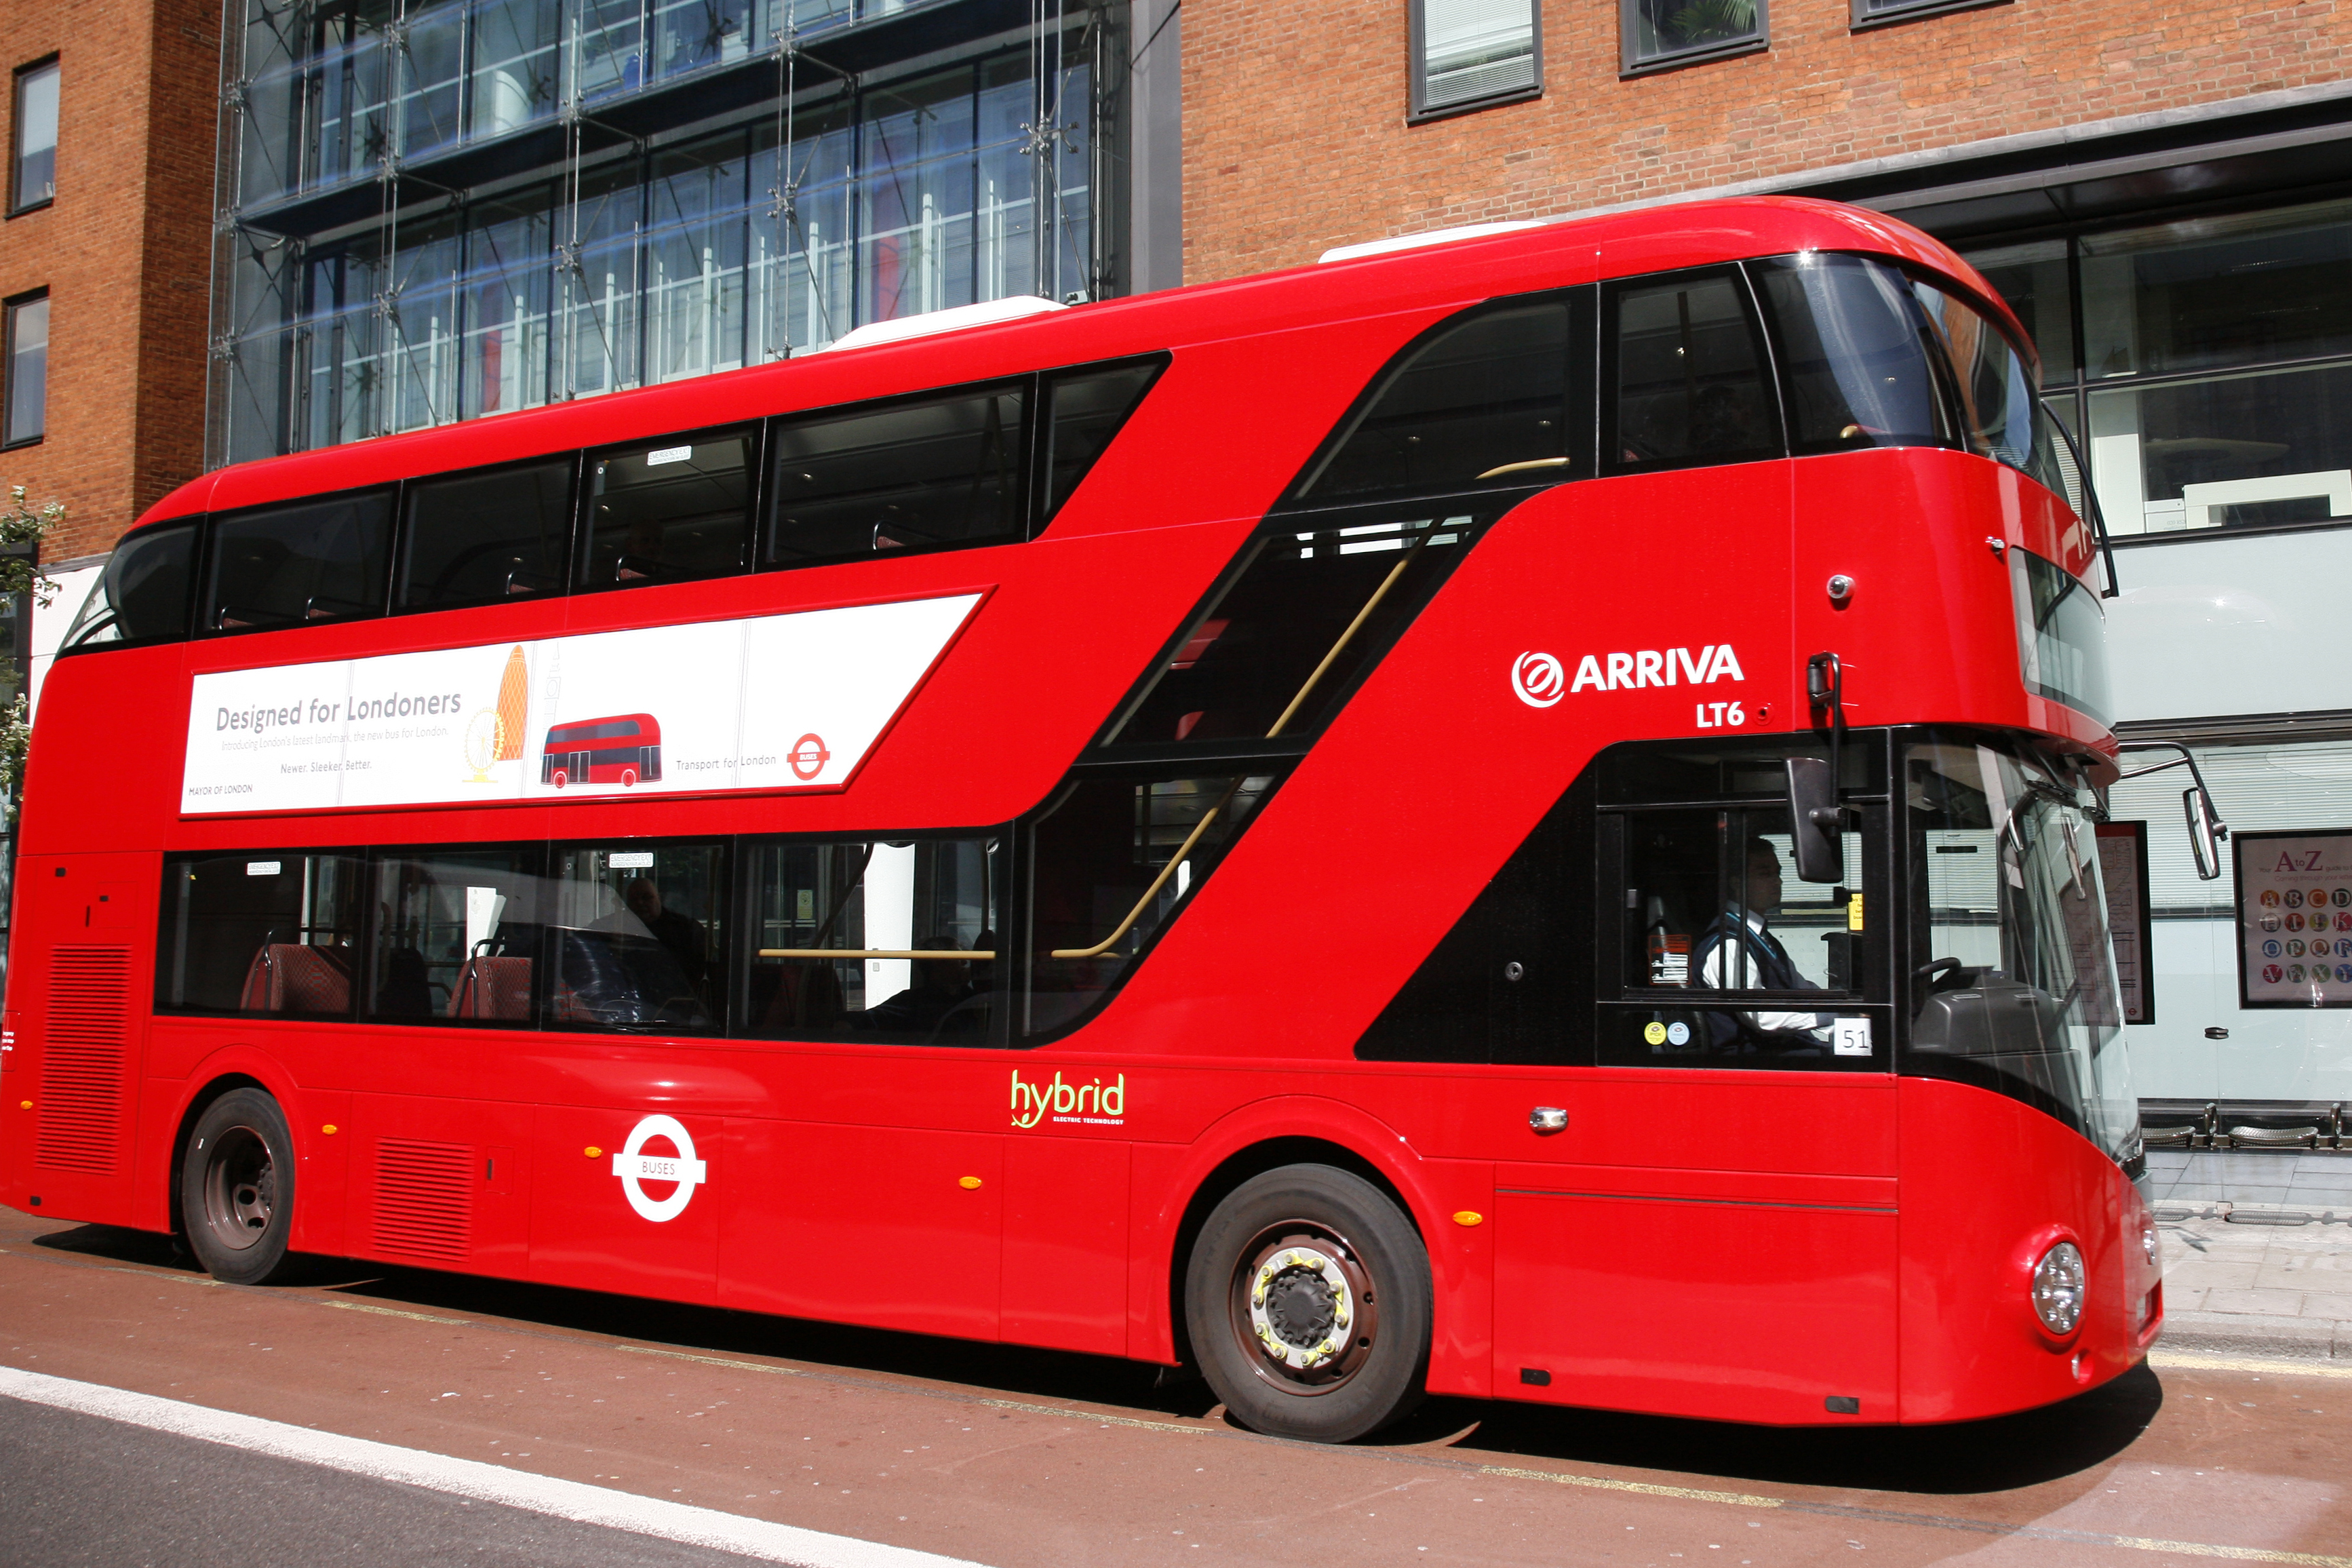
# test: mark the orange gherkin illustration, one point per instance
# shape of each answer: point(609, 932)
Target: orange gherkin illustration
point(513, 697)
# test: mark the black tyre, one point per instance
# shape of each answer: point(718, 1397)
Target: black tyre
point(237, 1188)
point(1308, 1298)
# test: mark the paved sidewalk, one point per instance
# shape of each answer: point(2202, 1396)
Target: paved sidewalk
point(2257, 1251)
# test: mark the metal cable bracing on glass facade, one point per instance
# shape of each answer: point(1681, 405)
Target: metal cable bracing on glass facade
point(435, 209)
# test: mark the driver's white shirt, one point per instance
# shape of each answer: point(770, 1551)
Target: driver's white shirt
point(1713, 968)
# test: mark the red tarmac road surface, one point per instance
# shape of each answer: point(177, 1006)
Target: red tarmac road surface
point(1022, 1459)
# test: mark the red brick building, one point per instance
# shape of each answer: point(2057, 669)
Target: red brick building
point(1298, 135)
point(115, 245)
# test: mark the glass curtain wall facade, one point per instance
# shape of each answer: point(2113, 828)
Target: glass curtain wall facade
point(700, 243)
point(2205, 363)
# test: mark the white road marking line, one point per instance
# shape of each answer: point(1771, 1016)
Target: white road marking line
point(470, 1478)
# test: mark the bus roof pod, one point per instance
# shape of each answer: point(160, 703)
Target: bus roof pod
point(1433, 236)
point(954, 318)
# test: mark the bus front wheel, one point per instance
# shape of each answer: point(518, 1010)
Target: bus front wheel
point(237, 1188)
point(1307, 1299)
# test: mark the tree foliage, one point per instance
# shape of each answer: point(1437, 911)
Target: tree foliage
point(22, 528)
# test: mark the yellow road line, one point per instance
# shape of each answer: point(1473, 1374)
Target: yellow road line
point(396, 1312)
point(1090, 1416)
point(2233, 1553)
point(2191, 1361)
point(1606, 1483)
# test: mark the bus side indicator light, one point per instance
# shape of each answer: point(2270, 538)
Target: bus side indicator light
point(328, 1130)
point(591, 1151)
point(24, 1105)
point(969, 1183)
point(1468, 1217)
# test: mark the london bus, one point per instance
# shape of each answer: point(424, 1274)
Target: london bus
point(1508, 817)
point(620, 751)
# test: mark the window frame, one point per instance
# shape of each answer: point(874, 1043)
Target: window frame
point(208, 550)
point(17, 206)
point(1605, 401)
point(1861, 21)
point(758, 428)
point(166, 932)
point(195, 522)
point(727, 898)
point(535, 854)
point(1876, 993)
point(1580, 410)
point(1419, 111)
point(1629, 28)
point(8, 312)
point(1010, 964)
point(1029, 482)
point(572, 532)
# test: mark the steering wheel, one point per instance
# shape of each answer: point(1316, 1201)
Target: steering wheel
point(1932, 973)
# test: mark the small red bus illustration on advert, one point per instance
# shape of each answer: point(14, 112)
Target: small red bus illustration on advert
point(625, 750)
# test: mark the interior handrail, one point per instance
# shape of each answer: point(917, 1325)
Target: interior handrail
point(946, 954)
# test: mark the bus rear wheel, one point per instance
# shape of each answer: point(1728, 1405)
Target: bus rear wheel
point(1307, 1299)
point(237, 1188)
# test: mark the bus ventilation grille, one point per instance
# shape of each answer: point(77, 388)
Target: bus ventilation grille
point(425, 1200)
point(81, 1060)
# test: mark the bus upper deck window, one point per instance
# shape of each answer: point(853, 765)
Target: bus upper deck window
point(142, 593)
point(473, 539)
point(1856, 357)
point(913, 474)
point(1084, 409)
point(671, 510)
point(1682, 364)
point(1493, 389)
point(1996, 386)
point(288, 565)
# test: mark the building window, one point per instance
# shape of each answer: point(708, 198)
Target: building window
point(32, 181)
point(1882, 12)
point(1658, 35)
point(28, 394)
point(2209, 362)
point(1472, 54)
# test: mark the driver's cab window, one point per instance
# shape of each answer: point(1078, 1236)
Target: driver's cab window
point(1724, 957)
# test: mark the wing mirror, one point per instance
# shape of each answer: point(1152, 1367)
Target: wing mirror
point(2205, 832)
point(1816, 824)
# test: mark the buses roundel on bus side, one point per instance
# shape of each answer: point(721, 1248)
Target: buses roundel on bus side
point(1508, 818)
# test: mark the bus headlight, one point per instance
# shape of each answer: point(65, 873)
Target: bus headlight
point(2058, 1287)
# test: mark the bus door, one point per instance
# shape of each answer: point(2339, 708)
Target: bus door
point(630, 978)
point(72, 1066)
point(1719, 1207)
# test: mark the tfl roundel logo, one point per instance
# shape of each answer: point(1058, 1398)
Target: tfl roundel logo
point(1539, 679)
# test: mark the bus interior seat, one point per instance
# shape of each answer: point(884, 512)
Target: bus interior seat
point(295, 977)
point(808, 996)
point(493, 987)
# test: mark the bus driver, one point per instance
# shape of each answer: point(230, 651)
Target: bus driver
point(1737, 952)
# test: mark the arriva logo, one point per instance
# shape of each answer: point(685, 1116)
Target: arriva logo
point(1539, 679)
point(1097, 1103)
point(634, 1166)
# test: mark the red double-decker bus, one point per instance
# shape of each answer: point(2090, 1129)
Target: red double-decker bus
point(1512, 818)
point(624, 750)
